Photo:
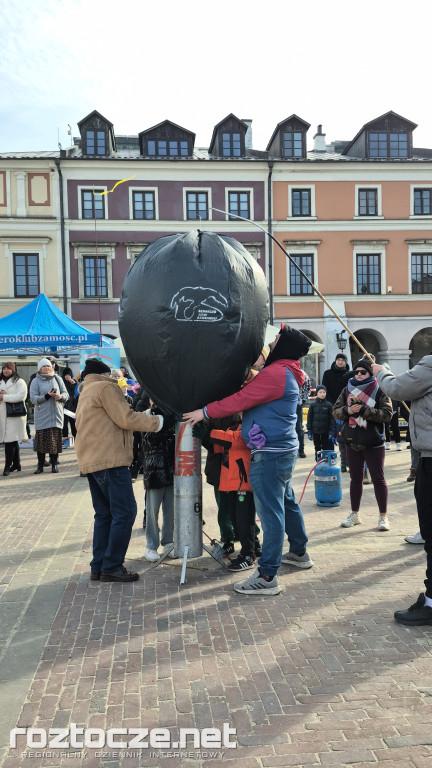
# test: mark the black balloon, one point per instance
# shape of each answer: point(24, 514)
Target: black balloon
point(192, 318)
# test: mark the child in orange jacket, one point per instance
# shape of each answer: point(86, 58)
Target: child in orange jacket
point(234, 480)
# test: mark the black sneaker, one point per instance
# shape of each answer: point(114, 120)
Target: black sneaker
point(228, 547)
point(122, 575)
point(242, 563)
point(301, 455)
point(416, 615)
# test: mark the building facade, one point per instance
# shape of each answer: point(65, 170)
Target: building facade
point(355, 216)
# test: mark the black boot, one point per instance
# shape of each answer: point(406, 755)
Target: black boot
point(41, 462)
point(16, 463)
point(54, 467)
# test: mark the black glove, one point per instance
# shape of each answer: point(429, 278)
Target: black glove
point(201, 432)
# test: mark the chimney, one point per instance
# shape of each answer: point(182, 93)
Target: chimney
point(319, 140)
point(248, 137)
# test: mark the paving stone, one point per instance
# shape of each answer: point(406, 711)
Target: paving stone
point(319, 675)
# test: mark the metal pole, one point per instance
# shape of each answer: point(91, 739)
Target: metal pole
point(187, 493)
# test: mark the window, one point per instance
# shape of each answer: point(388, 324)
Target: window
point(95, 276)
point(298, 285)
point(421, 272)
point(144, 205)
point(95, 143)
point(239, 204)
point(292, 144)
point(422, 201)
point(197, 205)
point(301, 202)
point(92, 205)
point(231, 145)
point(368, 273)
point(367, 202)
point(388, 144)
point(26, 274)
point(167, 148)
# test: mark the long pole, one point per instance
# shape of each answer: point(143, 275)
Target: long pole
point(309, 281)
point(304, 275)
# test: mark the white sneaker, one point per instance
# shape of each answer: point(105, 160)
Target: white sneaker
point(151, 554)
point(387, 446)
point(168, 546)
point(256, 585)
point(383, 523)
point(398, 447)
point(352, 519)
point(416, 538)
point(300, 561)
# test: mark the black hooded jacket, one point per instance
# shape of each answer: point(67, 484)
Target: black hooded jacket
point(334, 381)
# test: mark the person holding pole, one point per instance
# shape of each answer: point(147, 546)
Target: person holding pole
point(416, 385)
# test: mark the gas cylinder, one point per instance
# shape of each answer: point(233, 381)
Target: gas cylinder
point(328, 486)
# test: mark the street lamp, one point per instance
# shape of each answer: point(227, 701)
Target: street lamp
point(341, 342)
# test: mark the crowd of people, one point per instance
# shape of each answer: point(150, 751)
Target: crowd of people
point(253, 439)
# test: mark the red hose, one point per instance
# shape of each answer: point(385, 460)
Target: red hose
point(322, 461)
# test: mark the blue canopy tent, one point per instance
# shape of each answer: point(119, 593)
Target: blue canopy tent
point(42, 328)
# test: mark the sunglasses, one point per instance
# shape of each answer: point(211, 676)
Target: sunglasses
point(362, 371)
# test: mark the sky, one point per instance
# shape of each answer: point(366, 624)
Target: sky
point(340, 64)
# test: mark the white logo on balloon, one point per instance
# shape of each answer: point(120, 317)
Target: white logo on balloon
point(198, 305)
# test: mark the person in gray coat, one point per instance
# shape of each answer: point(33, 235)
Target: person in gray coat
point(48, 394)
point(416, 385)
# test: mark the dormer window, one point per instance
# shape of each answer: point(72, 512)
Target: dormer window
point(231, 145)
point(166, 140)
point(95, 143)
point(288, 140)
point(97, 136)
point(292, 144)
point(385, 144)
point(164, 148)
point(229, 138)
point(388, 137)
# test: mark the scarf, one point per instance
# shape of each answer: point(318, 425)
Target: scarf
point(361, 392)
point(294, 367)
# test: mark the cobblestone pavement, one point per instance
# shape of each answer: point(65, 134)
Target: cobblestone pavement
point(318, 675)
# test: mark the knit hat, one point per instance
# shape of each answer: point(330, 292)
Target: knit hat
point(93, 365)
point(342, 356)
point(320, 386)
point(291, 345)
point(122, 383)
point(11, 366)
point(366, 364)
point(43, 362)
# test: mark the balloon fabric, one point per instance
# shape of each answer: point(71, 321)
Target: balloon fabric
point(192, 318)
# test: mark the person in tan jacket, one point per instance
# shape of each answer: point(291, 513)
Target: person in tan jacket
point(103, 448)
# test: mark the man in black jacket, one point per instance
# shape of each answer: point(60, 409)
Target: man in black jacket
point(334, 381)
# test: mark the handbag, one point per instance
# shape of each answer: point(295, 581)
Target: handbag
point(16, 409)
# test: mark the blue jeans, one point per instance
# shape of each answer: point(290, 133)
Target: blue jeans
point(276, 506)
point(154, 499)
point(115, 512)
